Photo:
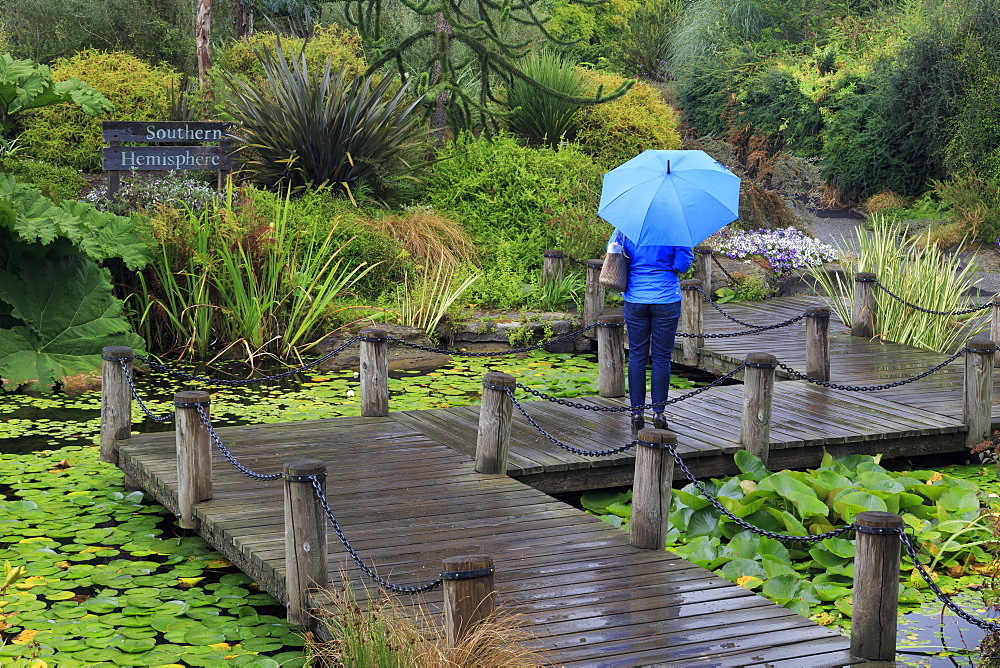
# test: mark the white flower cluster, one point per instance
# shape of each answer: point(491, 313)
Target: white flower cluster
point(783, 249)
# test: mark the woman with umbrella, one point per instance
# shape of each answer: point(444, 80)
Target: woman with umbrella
point(662, 203)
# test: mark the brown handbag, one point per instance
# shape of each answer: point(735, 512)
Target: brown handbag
point(614, 271)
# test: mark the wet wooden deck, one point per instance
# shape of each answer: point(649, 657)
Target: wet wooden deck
point(405, 492)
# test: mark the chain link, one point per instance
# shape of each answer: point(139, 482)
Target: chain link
point(135, 393)
point(624, 409)
point(582, 263)
point(500, 353)
point(911, 552)
point(870, 388)
point(225, 452)
point(318, 488)
point(719, 309)
point(249, 381)
point(755, 330)
point(509, 391)
point(972, 309)
point(741, 522)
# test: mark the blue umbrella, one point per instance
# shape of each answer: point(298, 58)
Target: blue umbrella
point(670, 198)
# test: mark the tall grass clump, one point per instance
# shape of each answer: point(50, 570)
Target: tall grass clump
point(369, 629)
point(921, 274)
point(540, 116)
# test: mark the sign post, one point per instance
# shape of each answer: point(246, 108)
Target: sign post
point(117, 158)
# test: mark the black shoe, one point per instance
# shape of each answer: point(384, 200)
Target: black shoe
point(659, 421)
point(637, 421)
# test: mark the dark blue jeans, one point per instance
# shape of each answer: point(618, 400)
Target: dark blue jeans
point(651, 331)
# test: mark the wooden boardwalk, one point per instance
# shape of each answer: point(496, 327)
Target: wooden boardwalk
point(406, 496)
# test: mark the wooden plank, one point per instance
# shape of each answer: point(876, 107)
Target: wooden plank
point(174, 132)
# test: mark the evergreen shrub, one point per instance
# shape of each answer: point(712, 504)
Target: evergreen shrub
point(342, 46)
point(66, 136)
point(528, 199)
point(56, 183)
point(615, 131)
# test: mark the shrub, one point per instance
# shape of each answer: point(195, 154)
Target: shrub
point(972, 201)
point(533, 199)
point(615, 131)
point(175, 189)
point(541, 117)
point(342, 47)
point(314, 128)
point(774, 105)
point(65, 135)
point(56, 183)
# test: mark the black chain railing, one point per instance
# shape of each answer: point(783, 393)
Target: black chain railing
point(217, 441)
point(231, 382)
point(720, 310)
point(135, 394)
point(755, 330)
point(515, 351)
point(965, 311)
point(318, 488)
point(582, 263)
point(870, 388)
point(623, 409)
point(911, 552)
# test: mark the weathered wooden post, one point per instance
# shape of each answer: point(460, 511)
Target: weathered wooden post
point(863, 307)
point(818, 343)
point(305, 536)
point(194, 454)
point(593, 298)
point(552, 266)
point(703, 262)
point(611, 355)
point(995, 327)
point(493, 440)
point(654, 476)
point(116, 400)
point(691, 321)
point(469, 595)
point(876, 585)
point(978, 396)
point(758, 392)
point(374, 363)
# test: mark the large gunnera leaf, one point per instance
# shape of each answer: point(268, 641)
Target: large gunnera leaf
point(64, 314)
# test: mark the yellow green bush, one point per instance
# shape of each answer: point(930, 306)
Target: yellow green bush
point(613, 132)
point(64, 135)
point(341, 46)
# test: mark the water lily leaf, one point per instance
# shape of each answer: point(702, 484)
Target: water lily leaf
point(751, 465)
point(960, 501)
point(695, 501)
point(135, 646)
point(619, 509)
point(844, 605)
point(261, 645)
point(822, 556)
point(739, 567)
point(599, 501)
point(203, 637)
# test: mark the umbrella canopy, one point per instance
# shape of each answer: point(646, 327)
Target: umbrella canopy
point(670, 198)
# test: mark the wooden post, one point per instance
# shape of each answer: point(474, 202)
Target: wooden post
point(593, 298)
point(493, 440)
point(758, 391)
point(863, 308)
point(876, 586)
point(995, 327)
point(611, 355)
point(374, 349)
point(116, 401)
point(114, 176)
point(469, 595)
point(194, 455)
point(654, 476)
point(818, 343)
point(691, 321)
point(305, 537)
point(703, 260)
point(978, 397)
point(552, 266)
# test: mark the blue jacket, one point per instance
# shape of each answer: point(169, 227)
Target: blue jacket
point(654, 272)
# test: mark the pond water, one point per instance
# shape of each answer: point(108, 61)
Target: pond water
point(110, 579)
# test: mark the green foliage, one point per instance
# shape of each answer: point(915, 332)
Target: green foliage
point(589, 32)
point(314, 128)
point(536, 115)
point(616, 131)
point(328, 43)
point(973, 201)
point(56, 307)
point(67, 136)
point(520, 199)
point(153, 30)
point(642, 44)
point(941, 512)
point(429, 292)
point(26, 86)
point(773, 105)
point(56, 183)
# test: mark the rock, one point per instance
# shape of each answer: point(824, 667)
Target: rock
point(401, 357)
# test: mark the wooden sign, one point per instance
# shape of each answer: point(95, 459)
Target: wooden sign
point(126, 158)
point(117, 158)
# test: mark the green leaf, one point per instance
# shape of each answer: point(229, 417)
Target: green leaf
point(739, 567)
point(751, 465)
point(599, 501)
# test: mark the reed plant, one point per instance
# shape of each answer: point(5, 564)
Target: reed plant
point(429, 292)
point(921, 274)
